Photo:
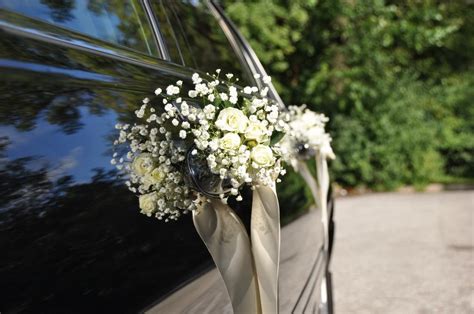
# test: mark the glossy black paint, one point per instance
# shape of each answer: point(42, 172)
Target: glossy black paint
point(71, 237)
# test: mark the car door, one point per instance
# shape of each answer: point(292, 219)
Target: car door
point(72, 238)
point(200, 25)
point(304, 263)
point(71, 232)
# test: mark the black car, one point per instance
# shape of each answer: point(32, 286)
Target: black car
point(71, 236)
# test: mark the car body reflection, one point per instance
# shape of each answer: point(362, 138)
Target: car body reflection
point(71, 235)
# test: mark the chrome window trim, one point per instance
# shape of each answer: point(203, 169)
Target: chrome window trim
point(235, 47)
point(160, 43)
point(20, 25)
point(154, 7)
point(160, 65)
point(233, 42)
point(39, 35)
point(177, 23)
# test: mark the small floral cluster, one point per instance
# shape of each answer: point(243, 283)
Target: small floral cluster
point(153, 165)
point(305, 135)
point(234, 133)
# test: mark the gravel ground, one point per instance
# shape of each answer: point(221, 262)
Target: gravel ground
point(404, 253)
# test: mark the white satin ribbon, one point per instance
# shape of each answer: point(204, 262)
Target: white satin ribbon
point(265, 235)
point(304, 171)
point(322, 174)
point(319, 187)
point(225, 237)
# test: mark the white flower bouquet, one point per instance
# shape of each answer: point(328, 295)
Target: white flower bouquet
point(231, 132)
point(183, 157)
point(307, 138)
point(306, 135)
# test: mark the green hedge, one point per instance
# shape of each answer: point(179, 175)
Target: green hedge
point(394, 76)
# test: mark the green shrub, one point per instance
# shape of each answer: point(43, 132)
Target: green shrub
point(394, 144)
point(395, 78)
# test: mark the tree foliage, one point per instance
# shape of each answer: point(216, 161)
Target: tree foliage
point(394, 76)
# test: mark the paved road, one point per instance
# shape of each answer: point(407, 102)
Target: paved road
point(404, 253)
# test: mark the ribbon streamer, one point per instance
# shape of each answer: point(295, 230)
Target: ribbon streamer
point(322, 174)
point(249, 270)
point(225, 237)
point(304, 171)
point(265, 235)
point(319, 188)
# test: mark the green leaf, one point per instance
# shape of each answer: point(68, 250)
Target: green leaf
point(276, 137)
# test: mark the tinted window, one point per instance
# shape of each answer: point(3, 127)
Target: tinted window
point(122, 22)
point(203, 43)
point(167, 32)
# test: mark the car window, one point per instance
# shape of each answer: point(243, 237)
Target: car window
point(167, 33)
point(122, 22)
point(204, 45)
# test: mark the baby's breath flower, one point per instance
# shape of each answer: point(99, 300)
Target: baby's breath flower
point(172, 90)
point(196, 79)
point(224, 96)
point(266, 79)
point(234, 141)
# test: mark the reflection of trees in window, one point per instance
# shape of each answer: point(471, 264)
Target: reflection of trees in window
point(61, 100)
point(60, 9)
point(133, 30)
point(123, 22)
point(167, 32)
point(208, 44)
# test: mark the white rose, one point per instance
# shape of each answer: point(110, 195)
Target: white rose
point(262, 155)
point(148, 202)
point(142, 164)
point(155, 177)
point(232, 119)
point(230, 141)
point(256, 131)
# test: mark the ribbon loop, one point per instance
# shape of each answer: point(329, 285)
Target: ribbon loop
point(225, 237)
point(249, 269)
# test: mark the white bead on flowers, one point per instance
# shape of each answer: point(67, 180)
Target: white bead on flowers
point(235, 133)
